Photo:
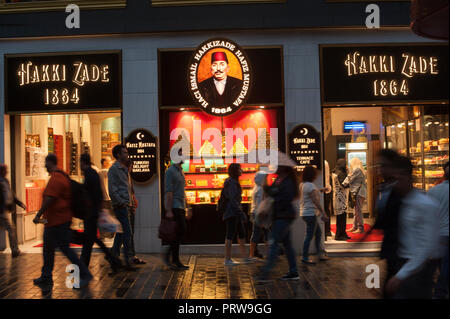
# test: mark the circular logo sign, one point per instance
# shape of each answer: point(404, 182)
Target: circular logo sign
point(141, 146)
point(219, 77)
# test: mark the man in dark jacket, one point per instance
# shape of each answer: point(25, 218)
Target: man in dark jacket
point(95, 195)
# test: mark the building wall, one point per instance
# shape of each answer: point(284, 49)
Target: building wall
point(140, 87)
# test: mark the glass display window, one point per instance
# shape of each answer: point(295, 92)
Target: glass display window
point(65, 135)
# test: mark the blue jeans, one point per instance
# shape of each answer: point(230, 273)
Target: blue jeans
point(312, 229)
point(59, 237)
point(441, 288)
point(280, 233)
point(125, 237)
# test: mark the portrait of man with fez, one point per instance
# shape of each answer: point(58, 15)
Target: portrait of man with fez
point(220, 89)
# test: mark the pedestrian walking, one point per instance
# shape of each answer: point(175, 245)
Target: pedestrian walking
point(257, 197)
point(310, 210)
point(135, 259)
point(233, 216)
point(411, 231)
point(8, 202)
point(284, 190)
point(356, 180)
point(57, 217)
point(176, 208)
point(340, 199)
point(440, 194)
point(94, 192)
point(328, 198)
point(119, 187)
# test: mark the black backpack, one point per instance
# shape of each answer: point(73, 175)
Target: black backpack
point(222, 203)
point(79, 202)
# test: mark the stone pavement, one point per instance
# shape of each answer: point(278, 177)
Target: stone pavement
point(207, 278)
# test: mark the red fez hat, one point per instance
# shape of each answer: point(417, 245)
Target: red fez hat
point(219, 56)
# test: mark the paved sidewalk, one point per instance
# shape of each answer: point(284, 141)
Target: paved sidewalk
point(207, 278)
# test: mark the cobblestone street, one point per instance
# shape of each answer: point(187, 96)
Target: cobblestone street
point(207, 278)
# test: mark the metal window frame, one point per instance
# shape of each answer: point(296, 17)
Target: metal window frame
point(164, 3)
point(56, 5)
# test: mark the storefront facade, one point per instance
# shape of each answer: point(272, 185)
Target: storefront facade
point(300, 103)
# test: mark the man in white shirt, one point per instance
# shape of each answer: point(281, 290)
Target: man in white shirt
point(410, 222)
point(440, 194)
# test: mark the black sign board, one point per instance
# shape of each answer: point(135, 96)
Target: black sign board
point(266, 73)
point(141, 146)
point(304, 147)
point(384, 73)
point(63, 82)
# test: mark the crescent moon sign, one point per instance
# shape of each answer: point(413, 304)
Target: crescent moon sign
point(304, 131)
point(139, 136)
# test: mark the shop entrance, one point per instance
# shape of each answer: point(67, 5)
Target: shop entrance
point(419, 132)
point(67, 136)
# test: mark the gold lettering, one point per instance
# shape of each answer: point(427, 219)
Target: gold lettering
point(105, 72)
point(350, 62)
point(45, 75)
point(433, 65)
point(373, 64)
point(95, 76)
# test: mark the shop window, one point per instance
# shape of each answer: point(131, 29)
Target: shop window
point(12, 6)
point(67, 136)
point(419, 132)
point(209, 2)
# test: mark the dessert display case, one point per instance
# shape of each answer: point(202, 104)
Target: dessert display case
point(426, 143)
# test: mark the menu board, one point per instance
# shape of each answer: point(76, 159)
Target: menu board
point(141, 146)
point(304, 147)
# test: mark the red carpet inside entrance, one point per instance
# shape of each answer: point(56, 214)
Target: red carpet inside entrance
point(374, 235)
point(71, 245)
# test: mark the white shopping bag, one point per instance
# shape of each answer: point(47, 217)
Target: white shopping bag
point(108, 223)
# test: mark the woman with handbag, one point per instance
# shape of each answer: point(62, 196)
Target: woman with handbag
point(340, 199)
point(233, 215)
point(309, 206)
point(356, 180)
point(283, 191)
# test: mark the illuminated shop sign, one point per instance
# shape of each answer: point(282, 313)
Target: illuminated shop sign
point(67, 81)
point(219, 77)
point(384, 73)
point(304, 147)
point(141, 146)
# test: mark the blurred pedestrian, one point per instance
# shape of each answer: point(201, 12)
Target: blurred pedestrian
point(284, 190)
point(103, 173)
point(411, 228)
point(233, 215)
point(8, 202)
point(257, 197)
point(356, 180)
point(310, 210)
point(119, 187)
point(340, 199)
point(133, 209)
point(440, 194)
point(328, 198)
point(94, 192)
point(57, 212)
point(176, 208)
